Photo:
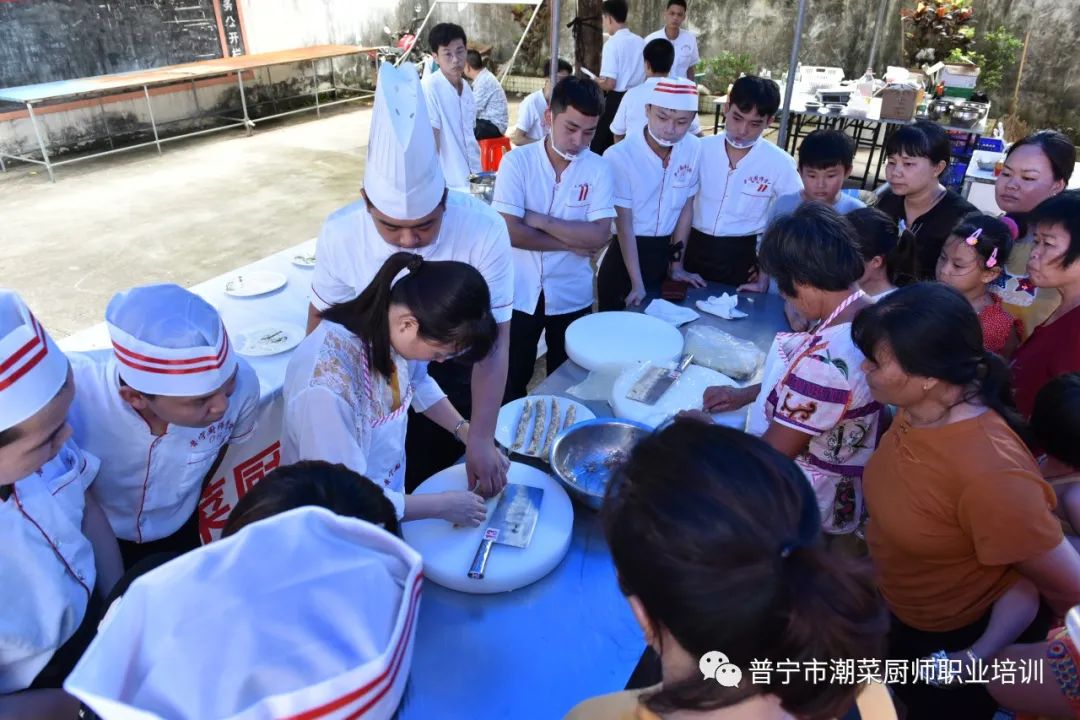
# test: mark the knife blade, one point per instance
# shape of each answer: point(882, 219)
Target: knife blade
point(656, 381)
point(512, 523)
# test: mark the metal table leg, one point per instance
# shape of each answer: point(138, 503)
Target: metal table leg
point(41, 141)
point(315, 73)
point(153, 123)
point(243, 102)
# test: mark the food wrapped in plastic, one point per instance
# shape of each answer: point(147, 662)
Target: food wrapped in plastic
point(727, 354)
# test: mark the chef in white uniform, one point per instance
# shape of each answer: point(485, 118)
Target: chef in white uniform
point(656, 170)
point(318, 663)
point(531, 125)
point(683, 41)
point(160, 410)
point(741, 176)
point(621, 67)
point(405, 206)
point(658, 55)
point(452, 107)
point(556, 197)
point(58, 557)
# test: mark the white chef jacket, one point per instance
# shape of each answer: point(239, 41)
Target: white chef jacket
point(453, 114)
point(686, 50)
point(735, 203)
point(526, 181)
point(655, 194)
point(621, 60)
point(149, 485)
point(631, 112)
point(46, 565)
point(351, 251)
point(340, 410)
point(530, 117)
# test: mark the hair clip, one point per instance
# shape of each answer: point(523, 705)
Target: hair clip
point(973, 238)
point(992, 260)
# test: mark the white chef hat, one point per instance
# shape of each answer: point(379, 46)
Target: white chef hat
point(675, 94)
point(169, 341)
point(305, 613)
point(402, 177)
point(32, 368)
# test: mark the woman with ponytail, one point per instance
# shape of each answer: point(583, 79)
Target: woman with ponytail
point(350, 383)
point(959, 513)
point(716, 539)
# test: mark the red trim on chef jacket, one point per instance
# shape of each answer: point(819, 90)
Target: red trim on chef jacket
point(56, 550)
point(38, 339)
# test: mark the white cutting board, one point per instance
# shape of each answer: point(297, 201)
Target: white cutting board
point(610, 339)
point(448, 551)
point(686, 394)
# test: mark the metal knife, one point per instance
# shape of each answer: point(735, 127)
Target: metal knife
point(512, 523)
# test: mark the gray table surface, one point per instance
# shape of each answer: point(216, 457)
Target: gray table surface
point(538, 651)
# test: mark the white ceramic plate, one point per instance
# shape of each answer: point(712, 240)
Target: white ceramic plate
point(510, 414)
point(269, 339)
point(257, 282)
point(304, 260)
point(686, 394)
point(614, 339)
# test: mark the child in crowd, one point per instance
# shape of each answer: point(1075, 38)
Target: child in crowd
point(825, 162)
point(972, 258)
point(1055, 423)
point(876, 235)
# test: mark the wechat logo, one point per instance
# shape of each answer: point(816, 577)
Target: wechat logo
point(714, 665)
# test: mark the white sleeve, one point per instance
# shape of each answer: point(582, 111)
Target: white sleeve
point(623, 190)
point(328, 287)
point(509, 196)
point(602, 196)
point(790, 181)
point(324, 427)
point(695, 58)
point(246, 394)
point(496, 264)
point(609, 64)
point(618, 123)
point(526, 118)
point(426, 392)
point(431, 97)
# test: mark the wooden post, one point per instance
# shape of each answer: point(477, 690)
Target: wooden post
point(589, 38)
point(1020, 74)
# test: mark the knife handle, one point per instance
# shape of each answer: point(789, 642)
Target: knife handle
point(480, 560)
point(686, 360)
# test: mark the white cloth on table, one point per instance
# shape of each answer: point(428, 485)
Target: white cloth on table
point(722, 306)
point(453, 114)
point(530, 117)
point(686, 50)
point(490, 100)
point(669, 312)
point(527, 182)
point(621, 60)
point(631, 112)
point(655, 194)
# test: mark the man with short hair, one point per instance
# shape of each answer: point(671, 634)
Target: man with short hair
point(531, 125)
point(556, 197)
point(683, 41)
point(492, 115)
point(658, 55)
point(621, 67)
point(452, 107)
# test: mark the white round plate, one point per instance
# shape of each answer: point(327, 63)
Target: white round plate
point(609, 339)
point(686, 394)
point(304, 260)
point(448, 551)
point(269, 339)
point(257, 282)
point(510, 414)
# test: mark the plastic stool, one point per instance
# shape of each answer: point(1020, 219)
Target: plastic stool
point(492, 151)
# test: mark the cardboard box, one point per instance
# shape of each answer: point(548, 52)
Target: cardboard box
point(898, 102)
point(961, 75)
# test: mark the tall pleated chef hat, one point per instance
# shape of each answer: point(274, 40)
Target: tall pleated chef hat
point(32, 368)
point(169, 341)
point(306, 613)
point(402, 177)
point(675, 94)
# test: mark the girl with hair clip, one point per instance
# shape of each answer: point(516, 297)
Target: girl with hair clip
point(735, 571)
point(350, 382)
point(971, 261)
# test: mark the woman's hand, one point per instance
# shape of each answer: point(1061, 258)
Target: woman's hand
point(723, 398)
point(636, 296)
point(679, 274)
point(757, 282)
point(462, 508)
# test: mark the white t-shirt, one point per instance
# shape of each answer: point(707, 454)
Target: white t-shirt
point(149, 485)
point(735, 203)
point(526, 181)
point(453, 114)
point(351, 251)
point(47, 565)
point(655, 194)
point(686, 50)
point(622, 61)
point(631, 112)
point(530, 118)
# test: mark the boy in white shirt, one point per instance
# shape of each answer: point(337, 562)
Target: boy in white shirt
point(658, 55)
point(741, 176)
point(160, 411)
point(556, 197)
point(492, 115)
point(683, 41)
point(59, 558)
point(452, 107)
point(621, 67)
point(531, 124)
point(656, 172)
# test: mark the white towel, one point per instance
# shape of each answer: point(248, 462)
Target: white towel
point(671, 313)
point(723, 306)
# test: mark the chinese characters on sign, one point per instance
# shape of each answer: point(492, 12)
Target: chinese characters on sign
point(230, 21)
point(215, 507)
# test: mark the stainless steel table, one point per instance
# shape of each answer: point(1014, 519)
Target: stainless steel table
point(538, 651)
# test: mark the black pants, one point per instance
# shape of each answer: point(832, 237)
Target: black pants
point(184, 539)
point(525, 332)
point(428, 447)
point(603, 139)
point(613, 282)
point(971, 701)
point(724, 260)
point(486, 130)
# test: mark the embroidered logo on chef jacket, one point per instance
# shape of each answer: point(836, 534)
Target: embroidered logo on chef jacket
point(582, 192)
point(761, 181)
point(214, 435)
point(683, 173)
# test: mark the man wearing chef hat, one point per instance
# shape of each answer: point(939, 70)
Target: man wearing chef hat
point(232, 630)
point(656, 170)
point(160, 410)
point(405, 205)
point(59, 557)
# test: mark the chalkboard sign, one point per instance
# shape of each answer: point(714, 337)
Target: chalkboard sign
point(47, 40)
